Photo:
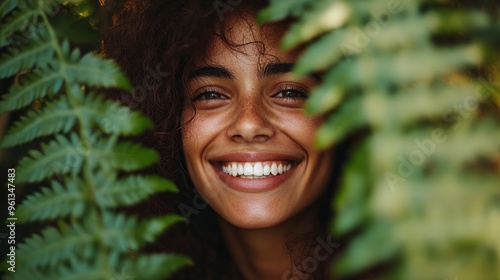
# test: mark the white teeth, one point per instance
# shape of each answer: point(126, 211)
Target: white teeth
point(274, 169)
point(247, 169)
point(257, 169)
point(234, 169)
point(267, 170)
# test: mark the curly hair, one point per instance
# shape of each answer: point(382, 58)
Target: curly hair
point(156, 42)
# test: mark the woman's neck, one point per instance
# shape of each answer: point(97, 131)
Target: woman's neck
point(261, 253)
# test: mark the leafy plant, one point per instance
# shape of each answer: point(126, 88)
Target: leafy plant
point(85, 160)
point(415, 79)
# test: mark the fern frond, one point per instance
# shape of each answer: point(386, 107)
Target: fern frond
point(69, 198)
point(310, 60)
point(323, 17)
point(374, 246)
point(121, 233)
point(280, 9)
point(54, 245)
point(113, 118)
point(60, 156)
point(126, 156)
point(94, 70)
point(75, 269)
point(157, 266)
point(6, 7)
point(352, 199)
point(28, 273)
point(19, 21)
point(130, 190)
point(57, 117)
point(340, 123)
point(36, 53)
point(35, 85)
point(126, 233)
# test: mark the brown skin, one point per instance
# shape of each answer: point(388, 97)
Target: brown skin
point(254, 117)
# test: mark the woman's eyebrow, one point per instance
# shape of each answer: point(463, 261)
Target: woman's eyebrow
point(282, 68)
point(214, 71)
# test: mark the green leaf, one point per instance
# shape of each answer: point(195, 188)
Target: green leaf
point(349, 117)
point(69, 198)
point(60, 156)
point(27, 57)
point(350, 203)
point(325, 16)
point(374, 246)
point(113, 118)
point(93, 70)
point(157, 266)
point(126, 233)
point(322, 54)
point(328, 95)
point(54, 245)
point(280, 9)
point(56, 117)
point(6, 7)
point(35, 85)
point(19, 20)
point(130, 190)
point(126, 156)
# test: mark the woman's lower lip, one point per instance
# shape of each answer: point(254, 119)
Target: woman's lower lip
point(253, 184)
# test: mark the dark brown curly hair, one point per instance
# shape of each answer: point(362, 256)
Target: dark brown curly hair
point(156, 43)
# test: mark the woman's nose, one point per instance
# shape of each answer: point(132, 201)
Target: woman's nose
point(250, 123)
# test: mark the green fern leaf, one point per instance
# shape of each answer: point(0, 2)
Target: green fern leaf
point(19, 20)
point(93, 70)
point(59, 156)
point(323, 17)
point(126, 156)
point(328, 95)
point(35, 85)
point(349, 117)
point(150, 229)
point(158, 266)
point(28, 273)
point(373, 247)
point(112, 118)
point(54, 245)
point(69, 198)
point(130, 190)
point(125, 233)
point(280, 9)
point(350, 201)
point(34, 54)
point(56, 117)
point(6, 7)
point(321, 55)
point(120, 233)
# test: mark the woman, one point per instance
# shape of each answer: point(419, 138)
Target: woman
point(230, 128)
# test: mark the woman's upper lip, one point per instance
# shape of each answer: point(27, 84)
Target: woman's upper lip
point(254, 157)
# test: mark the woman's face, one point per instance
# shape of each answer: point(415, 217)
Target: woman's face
point(246, 140)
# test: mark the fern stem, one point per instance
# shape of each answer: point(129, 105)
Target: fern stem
point(87, 170)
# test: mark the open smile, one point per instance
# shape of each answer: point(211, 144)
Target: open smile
point(256, 170)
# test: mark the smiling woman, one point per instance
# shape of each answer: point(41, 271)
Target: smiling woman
point(229, 122)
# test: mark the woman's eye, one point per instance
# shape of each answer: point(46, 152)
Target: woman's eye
point(291, 94)
point(209, 95)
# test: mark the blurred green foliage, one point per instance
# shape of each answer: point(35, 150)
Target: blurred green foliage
point(417, 82)
point(80, 172)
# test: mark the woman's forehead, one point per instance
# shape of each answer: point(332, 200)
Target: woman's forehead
point(242, 35)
